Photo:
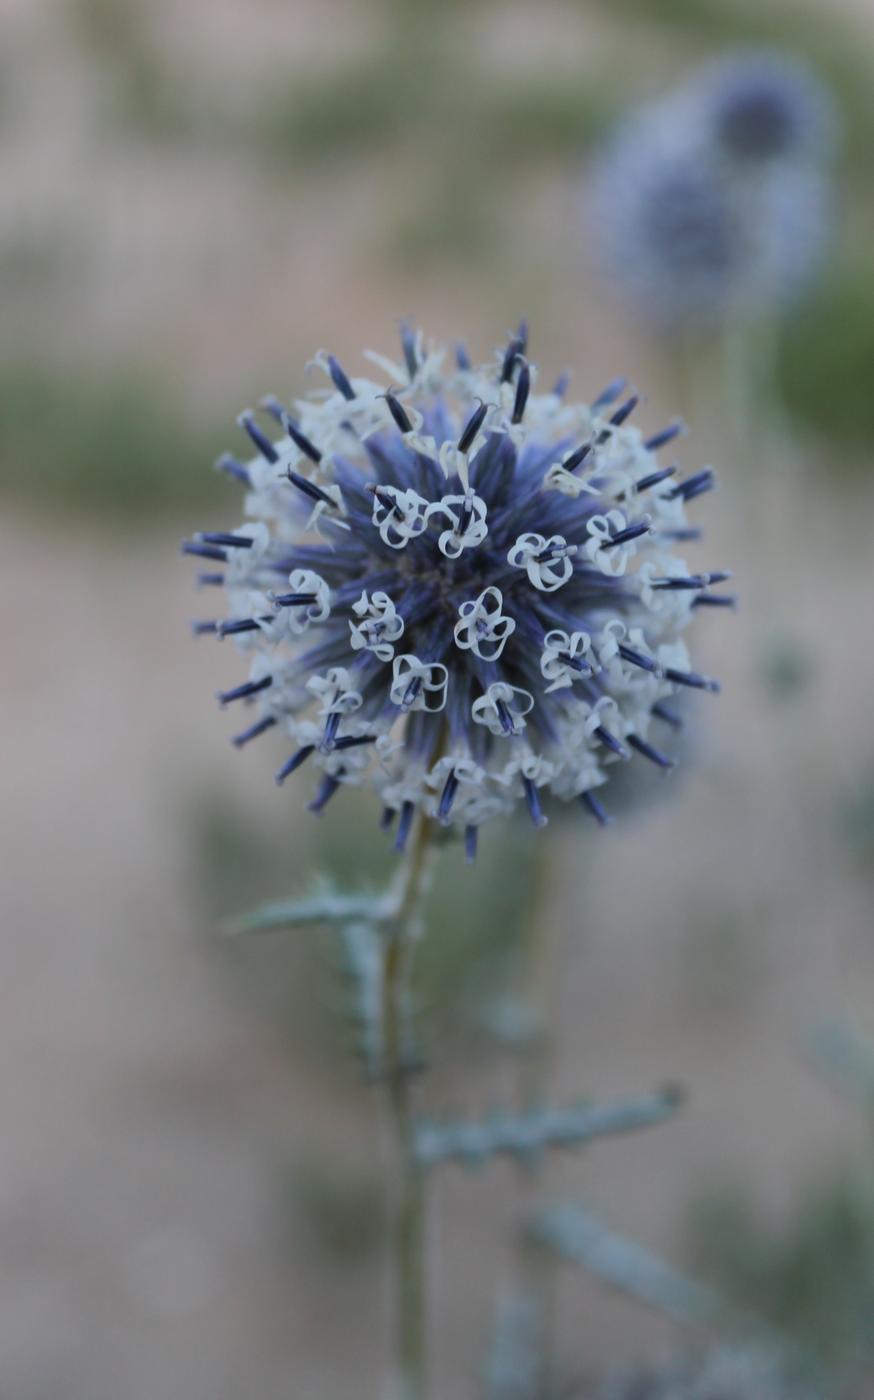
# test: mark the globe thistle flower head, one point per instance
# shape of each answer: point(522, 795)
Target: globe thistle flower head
point(796, 223)
point(456, 588)
point(762, 106)
point(667, 227)
point(690, 238)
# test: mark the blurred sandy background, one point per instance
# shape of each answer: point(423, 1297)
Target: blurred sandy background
point(197, 195)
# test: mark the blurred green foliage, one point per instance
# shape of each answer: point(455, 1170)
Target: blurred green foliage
point(397, 95)
point(478, 916)
point(239, 862)
point(553, 118)
point(857, 820)
point(827, 359)
point(812, 1277)
point(724, 957)
point(108, 26)
point(116, 445)
point(144, 91)
point(319, 119)
point(341, 1212)
point(787, 667)
point(445, 223)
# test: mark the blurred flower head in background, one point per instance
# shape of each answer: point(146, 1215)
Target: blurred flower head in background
point(458, 589)
point(717, 201)
point(764, 106)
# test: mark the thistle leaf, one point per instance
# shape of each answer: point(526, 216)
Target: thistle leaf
point(362, 962)
point(526, 1136)
point(324, 905)
point(582, 1239)
point(848, 1060)
point(515, 1366)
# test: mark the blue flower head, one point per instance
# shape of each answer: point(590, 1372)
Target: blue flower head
point(458, 589)
point(763, 105)
point(666, 226)
point(690, 237)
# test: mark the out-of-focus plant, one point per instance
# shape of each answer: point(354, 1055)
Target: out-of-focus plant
point(856, 820)
point(812, 1277)
point(144, 89)
point(825, 36)
point(713, 209)
point(728, 1373)
point(465, 594)
point(118, 444)
point(712, 205)
point(826, 362)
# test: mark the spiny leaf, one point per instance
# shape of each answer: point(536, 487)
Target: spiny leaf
point(362, 961)
point(516, 1360)
point(527, 1135)
point(362, 964)
point(325, 905)
point(582, 1239)
point(848, 1059)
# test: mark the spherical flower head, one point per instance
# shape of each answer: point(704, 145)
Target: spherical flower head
point(762, 106)
point(457, 589)
point(690, 238)
point(666, 226)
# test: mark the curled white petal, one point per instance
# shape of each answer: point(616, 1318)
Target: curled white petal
point(482, 627)
point(606, 712)
point(418, 685)
point(243, 565)
point(465, 769)
point(452, 777)
point(609, 558)
point(335, 692)
point(612, 633)
point(578, 769)
point(476, 805)
point(387, 748)
point(527, 764)
point(548, 562)
point(502, 709)
point(398, 515)
point(380, 627)
point(669, 605)
point(561, 650)
point(567, 483)
point(300, 616)
point(453, 460)
point(467, 523)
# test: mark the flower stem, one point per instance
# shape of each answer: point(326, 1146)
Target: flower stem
point(539, 992)
point(408, 1218)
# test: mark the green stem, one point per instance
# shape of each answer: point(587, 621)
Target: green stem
point(539, 984)
point(408, 1217)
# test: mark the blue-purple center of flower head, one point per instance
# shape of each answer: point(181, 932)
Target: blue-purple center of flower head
point(689, 220)
point(758, 124)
